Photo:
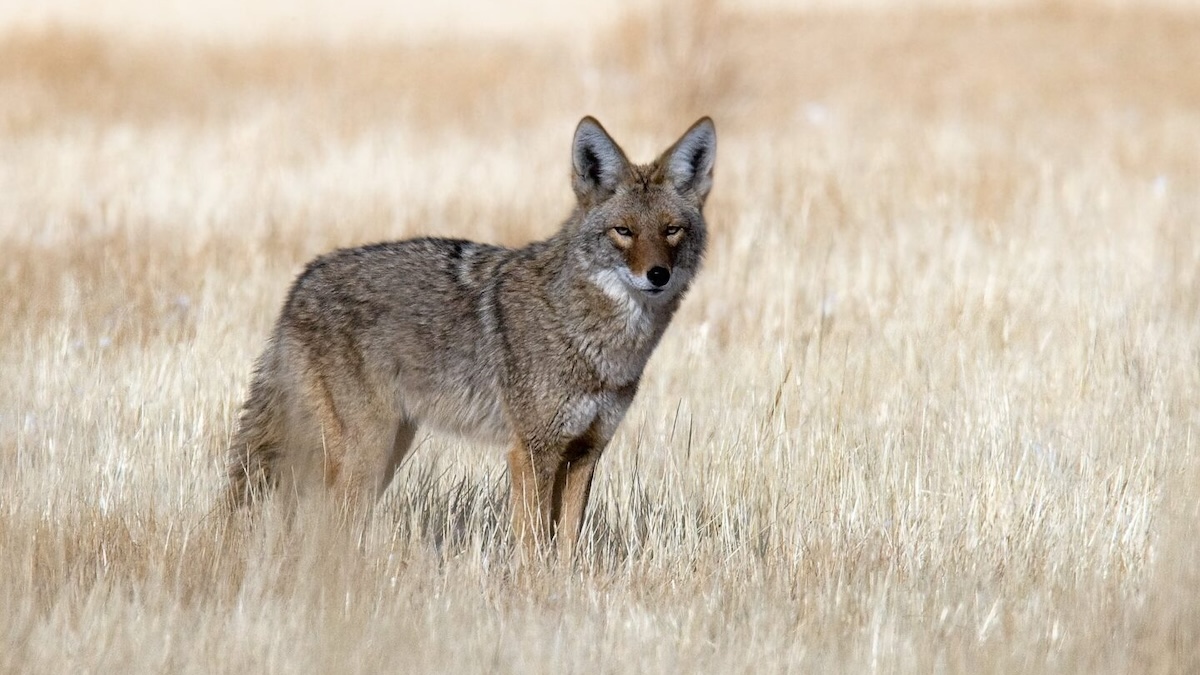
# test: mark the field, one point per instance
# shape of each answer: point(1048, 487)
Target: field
point(933, 404)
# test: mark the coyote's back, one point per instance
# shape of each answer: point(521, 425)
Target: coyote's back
point(541, 347)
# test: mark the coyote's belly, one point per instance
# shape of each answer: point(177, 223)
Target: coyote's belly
point(469, 407)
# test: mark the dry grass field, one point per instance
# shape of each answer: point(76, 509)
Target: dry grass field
point(932, 406)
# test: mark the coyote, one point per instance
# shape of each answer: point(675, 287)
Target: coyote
point(540, 347)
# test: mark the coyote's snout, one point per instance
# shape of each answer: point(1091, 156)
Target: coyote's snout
point(540, 347)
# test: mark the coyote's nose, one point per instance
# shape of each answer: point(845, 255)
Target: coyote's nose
point(659, 276)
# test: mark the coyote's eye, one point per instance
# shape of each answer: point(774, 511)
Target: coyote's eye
point(672, 230)
point(623, 231)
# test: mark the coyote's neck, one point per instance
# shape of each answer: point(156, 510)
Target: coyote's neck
point(615, 327)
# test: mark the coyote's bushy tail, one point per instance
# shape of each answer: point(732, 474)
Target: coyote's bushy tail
point(260, 435)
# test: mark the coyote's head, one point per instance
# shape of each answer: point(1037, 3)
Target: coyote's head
point(640, 228)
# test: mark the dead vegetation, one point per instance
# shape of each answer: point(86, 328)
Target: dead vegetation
point(932, 405)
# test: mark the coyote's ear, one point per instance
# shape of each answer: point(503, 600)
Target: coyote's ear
point(599, 162)
point(689, 162)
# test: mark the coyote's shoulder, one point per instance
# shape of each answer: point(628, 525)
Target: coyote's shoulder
point(541, 346)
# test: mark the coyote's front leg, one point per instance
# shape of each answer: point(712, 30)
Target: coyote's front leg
point(573, 486)
point(550, 489)
point(532, 468)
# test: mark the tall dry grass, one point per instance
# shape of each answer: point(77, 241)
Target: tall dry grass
point(932, 405)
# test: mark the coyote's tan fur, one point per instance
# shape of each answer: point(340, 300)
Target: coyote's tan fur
point(541, 347)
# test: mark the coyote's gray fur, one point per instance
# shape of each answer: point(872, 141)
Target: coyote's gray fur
point(540, 347)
